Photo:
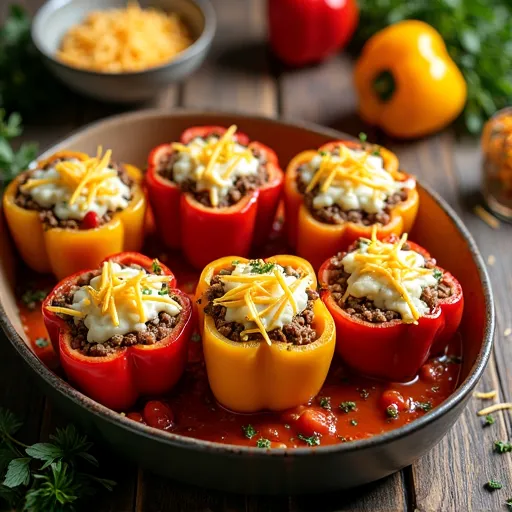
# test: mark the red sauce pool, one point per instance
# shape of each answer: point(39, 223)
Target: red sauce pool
point(349, 406)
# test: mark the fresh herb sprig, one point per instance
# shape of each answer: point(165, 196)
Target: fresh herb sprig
point(502, 447)
point(261, 267)
point(310, 441)
point(46, 477)
point(477, 35)
point(12, 162)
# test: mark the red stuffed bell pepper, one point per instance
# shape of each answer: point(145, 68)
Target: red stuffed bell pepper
point(392, 306)
point(214, 193)
point(121, 331)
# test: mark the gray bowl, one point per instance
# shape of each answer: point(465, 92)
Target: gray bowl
point(57, 16)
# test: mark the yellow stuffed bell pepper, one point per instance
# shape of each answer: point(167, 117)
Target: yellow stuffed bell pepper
point(262, 367)
point(407, 82)
point(65, 248)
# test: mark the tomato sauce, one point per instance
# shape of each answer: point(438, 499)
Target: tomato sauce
point(349, 406)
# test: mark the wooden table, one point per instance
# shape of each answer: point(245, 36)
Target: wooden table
point(239, 75)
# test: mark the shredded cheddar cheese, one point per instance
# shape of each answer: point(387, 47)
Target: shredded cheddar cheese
point(485, 395)
point(215, 152)
point(398, 269)
point(493, 408)
point(116, 291)
point(124, 40)
point(270, 291)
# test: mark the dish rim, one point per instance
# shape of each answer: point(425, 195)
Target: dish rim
point(197, 47)
point(190, 443)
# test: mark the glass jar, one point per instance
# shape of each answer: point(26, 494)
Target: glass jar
point(497, 163)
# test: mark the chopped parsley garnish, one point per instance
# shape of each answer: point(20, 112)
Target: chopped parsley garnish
point(353, 423)
point(155, 267)
point(392, 411)
point(502, 447)
point(31, 297)
point(376, 152)
point(492, 485)
point(263, 443)
point(509, 503)
point(325, 402)
point(164, 290)
point(363, 137)
point(261, 267)
point(42, 343)
point(437, 274)
point(310, 441)
point(424, 406)
point(249, 431)
point(364, 394)
point(323, 153)
point(235, 263)
point(196, 337)
point(146, 291)
point(489, 420)
point(348, 406)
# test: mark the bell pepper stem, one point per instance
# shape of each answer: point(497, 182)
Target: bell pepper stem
point(384, 85)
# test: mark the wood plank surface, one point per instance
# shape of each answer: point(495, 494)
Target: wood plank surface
point(240, 76)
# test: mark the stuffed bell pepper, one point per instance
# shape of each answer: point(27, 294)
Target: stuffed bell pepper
point(335, 195)
point(268, 339)
point(121, 330)
point(392, 305)
point(214, 193)
point(74, 210)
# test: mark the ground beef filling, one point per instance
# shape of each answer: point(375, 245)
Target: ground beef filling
point(298, 332)
point(48, 217)
point(242, 186)
point(365, 309)
point(157, 329)
point(335, 215)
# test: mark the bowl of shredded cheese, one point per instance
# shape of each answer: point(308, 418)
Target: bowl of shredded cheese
point(123, 51)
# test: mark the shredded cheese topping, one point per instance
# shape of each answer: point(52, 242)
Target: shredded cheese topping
point(391, 277)
point(494, 408)
point(119, 301)
point(73, 187)
point(214, 164)
point(121, 40)
point(353, 180)
point(262, 301)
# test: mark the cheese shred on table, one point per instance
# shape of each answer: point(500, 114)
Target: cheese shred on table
point(485, 395)
point(124, 40)
point(494, 408)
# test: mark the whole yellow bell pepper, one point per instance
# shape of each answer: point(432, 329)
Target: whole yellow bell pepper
point(66, 251)
point(407, 82)
point(253, 376)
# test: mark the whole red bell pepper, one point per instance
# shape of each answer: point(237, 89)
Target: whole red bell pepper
point(394, 350)
point(182, 222)
point(118, 379)
point(303, 32)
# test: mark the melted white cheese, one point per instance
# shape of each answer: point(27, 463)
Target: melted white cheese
point(100, 324)
point(348, 195)
point(378, 288)
point(187, 167)
point(57, 196)
point(240, 314)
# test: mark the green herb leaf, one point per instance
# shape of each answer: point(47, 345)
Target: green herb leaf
point(47, 452)
point(437, 274)
point(42, 342)
point(363, 137)
point(146, 291)
point(164, 290)
point(196, 337)
point(263, 443)
point(261, 267)
point(392, 411)
point(249, 431)
point(424, 406)
point(73, 444)
point(235, 263)
point(348, 406)
point(492, 485)
point(376, 152)
point(325, 402)
point(489, 420)
point(322, 153)
point(31, 297)
point(310, 441)
point(9, 424)
point(502, 447)
point(156, 267)
point(354, 423)
point(508, 503)
point(364, 394)
point(18, 472)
